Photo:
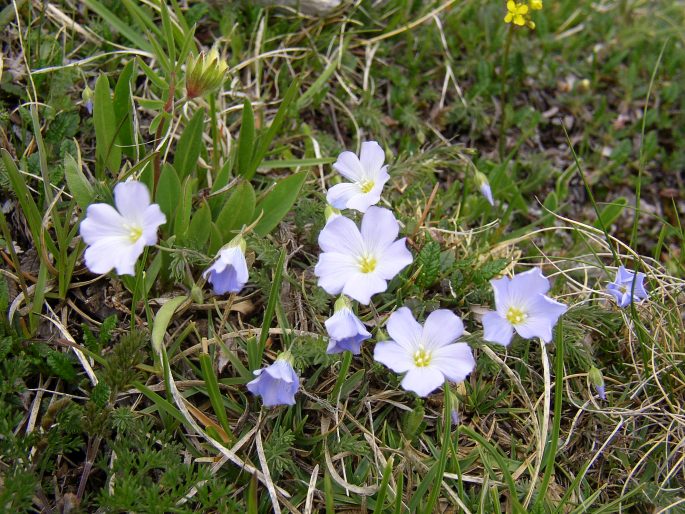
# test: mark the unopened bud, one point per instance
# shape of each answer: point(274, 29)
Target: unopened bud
point(597, 380)
point(343, 302)
point(331, 213)
point(204, 73)
point(196, 294)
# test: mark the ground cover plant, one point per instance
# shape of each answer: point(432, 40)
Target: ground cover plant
point(397, 257)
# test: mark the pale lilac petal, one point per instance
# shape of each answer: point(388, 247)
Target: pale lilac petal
point(423, 381)
point(346, 331)
point(371, 158)
point(229, 273)
point(341, 235)
point(131, 199)
point(500, 287)
point(102, 220)
point(486, 191)
point(526, 285)
point(362, 286)
point(276, 384)
point(393, 356)
point(109, 253)
point(543, 314)
point(496, 329)
point(622, 299)
point(335, 270)
point(394, 259)
point(404, 329)
point(455, 361)
point(379, 229)
point(362, 202)
point(153, 217)
point(340, 194)
point(623, 275)
point(348, 166)
point(441, 328)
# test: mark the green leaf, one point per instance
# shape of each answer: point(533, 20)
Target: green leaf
point(294, 163)
point(78, 184)
point(276, 204)
point(237, 211)
point(121, 26)
point(246, 141)
point(317, 85)
point(107, 151)
point(123, 111)
point(184, 207)
point(200, 226)
point(162, 320)
point(61, 365)
point(214, 393)
point(611, 212)
point(266, 139)
point(168, 193)
point(190, 145)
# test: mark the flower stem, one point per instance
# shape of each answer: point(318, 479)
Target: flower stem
point(504, 94)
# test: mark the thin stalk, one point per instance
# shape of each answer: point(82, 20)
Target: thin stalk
point(504, 94)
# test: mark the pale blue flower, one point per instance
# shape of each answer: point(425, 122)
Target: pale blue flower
point(345, 330)
point(428, 355)
point(359, 264)
point(117, 237)
point(367, 175)
point(628, 286)
point(521, 305)
point(276, 384)
point(484, 187)
point(228, 273)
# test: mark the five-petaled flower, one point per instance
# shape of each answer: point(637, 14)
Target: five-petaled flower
point(345, 329)
point(359, 264)
point(117, 237)
point(521, 305)
point(428, 355)
point(228, 273)
point(367, 175)
point(627, 287)
point(516, 13)
point(276, 384)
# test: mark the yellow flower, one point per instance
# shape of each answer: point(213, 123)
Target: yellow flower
point(536, 5)
point(517, 13)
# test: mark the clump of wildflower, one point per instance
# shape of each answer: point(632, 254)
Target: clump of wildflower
point(360, 263)
point(345, 329)
point(627, 287)
point(204, 73)
point(117, 237)
point(228, 273)
point(428, 355)
point(367, 176)
point(276, 384)
point(521, 305)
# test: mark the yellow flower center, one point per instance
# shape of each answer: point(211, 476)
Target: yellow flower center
point(623, 289)
point(367, 264)
point(135, 232)
point(367, 186)
point(515, 316)
point(422, 357)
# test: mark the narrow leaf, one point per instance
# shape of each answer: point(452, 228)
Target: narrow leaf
point(162, 320)
point(107, 151)
point(79, 186)
point(278, 202)
point(246, 141)
point(190, 145)
point(237, 211)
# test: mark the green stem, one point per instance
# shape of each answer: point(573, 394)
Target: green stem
point(504, 94)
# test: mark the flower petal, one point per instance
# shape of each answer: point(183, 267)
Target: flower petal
point(423, 381)
point(362, 286)
point(542, 316)
point(113, 252)
point(334, 271)
point(153, 217)
point(497, 329)
point(525, 286)
point(379, 229)
point(371, 158)
point(393, 356)
point(394, 259)
point(341, 235)
point(500, 287)
point(340, 195)
point(363, 201)
point(102, 221)
point(441, 328)
point(132, 198)
point(455, 361)
point(348, 166)
point(404, 329)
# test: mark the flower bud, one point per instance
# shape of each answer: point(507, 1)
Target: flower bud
point(331, 213)
point(597, 380)
point(87, 96)
point(484, 187)
point(196, 294)
point(204, 73)
point(536, 5)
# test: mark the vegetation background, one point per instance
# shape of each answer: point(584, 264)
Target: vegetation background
point(578, 127)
